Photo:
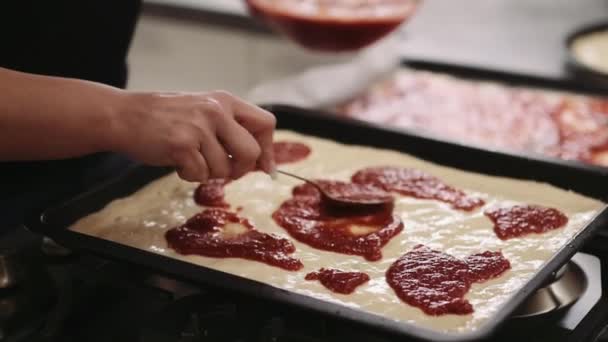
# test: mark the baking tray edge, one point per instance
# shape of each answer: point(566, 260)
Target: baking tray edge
point(183, 270)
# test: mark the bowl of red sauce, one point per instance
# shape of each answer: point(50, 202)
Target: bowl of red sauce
point(334, 25)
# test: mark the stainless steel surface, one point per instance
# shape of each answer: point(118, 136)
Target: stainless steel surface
point(521, 36)
point(578, 67)
point(568, 284)
point(51, 248)
point(12, 268)
point(342, 201)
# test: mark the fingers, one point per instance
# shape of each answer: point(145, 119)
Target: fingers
point(198, 132)
point(216, 156)
point(241, 145)
point(266, 159)
point(191, 166)
point(261, 124)
point(232, 136)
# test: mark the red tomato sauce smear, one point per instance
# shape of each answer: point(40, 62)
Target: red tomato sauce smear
point(339, 281)
point(349, 192)
point(211, 194)
point(522, 220)
point(415, 183)
point(205, 234)
point(290, 152)
point(436, 282)
point(344, 230)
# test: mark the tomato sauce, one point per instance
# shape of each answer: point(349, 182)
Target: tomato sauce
point(437, 282)
point(207, 234)
point(415, 183)
point(286, 152)
point(211, 194)
point(346, 230)
point(339, 281)
point(522, 220)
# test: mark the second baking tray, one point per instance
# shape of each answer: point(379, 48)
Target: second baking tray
point(516, 80)
point(500, 78)
point(54, 222)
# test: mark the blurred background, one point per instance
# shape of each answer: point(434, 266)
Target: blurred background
point(202, 45)
point(209, 44)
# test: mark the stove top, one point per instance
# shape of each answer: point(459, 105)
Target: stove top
point(83, 298)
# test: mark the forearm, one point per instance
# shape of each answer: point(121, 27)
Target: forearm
point(50, 118)
point(202, 135)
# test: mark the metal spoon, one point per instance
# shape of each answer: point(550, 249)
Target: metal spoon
point(365, 198)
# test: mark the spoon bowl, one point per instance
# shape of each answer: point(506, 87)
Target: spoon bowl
point(357, 196)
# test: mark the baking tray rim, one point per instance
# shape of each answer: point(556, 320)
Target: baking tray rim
point(467, 73)
point(530, 156)
point(568, 84)
point(200, 274)
point(197, 273)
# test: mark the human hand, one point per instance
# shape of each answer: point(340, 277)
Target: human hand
point(203, 135)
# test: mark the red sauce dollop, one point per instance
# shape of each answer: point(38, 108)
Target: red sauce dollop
point(211, 194)
point(310, 221)
point(486, 265)
point(289, 152)
point(436, 282)
point(522, 220)
point(351, 193)
point(204, 234)
point(415, 183)
point(339, 281)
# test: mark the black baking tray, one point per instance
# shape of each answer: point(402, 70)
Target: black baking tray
point(54, 221)
point(573, 84)
point(508, 79)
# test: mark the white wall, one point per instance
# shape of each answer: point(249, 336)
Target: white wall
point(169, 54)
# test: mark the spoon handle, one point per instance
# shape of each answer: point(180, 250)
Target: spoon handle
point(289, 174)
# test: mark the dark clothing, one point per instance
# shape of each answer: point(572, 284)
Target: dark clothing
point(83, 39)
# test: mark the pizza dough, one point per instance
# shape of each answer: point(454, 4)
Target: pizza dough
point(142, 219)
